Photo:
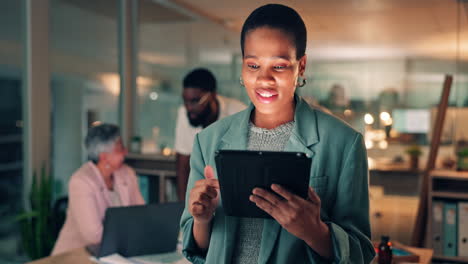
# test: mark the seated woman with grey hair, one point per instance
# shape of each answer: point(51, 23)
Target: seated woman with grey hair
point(105, 181)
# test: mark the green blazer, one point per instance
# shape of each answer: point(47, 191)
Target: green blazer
point(338, 174)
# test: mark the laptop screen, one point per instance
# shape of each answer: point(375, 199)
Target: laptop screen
point(141, 230)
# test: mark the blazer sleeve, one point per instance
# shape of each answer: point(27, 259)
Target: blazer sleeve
point(189, 247)
point(84, 209)
point(349, 219)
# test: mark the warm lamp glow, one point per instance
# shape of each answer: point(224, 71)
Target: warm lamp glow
point(368, 119)
point(385, 116)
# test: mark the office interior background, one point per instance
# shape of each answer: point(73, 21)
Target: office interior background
point(65, 64)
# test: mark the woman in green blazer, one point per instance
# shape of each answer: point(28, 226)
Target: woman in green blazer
point(332, 225)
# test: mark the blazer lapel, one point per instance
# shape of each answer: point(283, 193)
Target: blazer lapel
point(100, 182)
point(303, 136)
point(234, 139)
point(121, 186)
point(231, 224)
point(271, 230)
point(236, 136)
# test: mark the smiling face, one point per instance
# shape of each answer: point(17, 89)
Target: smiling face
point(114, 158)
point(270, 71)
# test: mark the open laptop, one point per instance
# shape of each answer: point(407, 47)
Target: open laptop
point(139, 230)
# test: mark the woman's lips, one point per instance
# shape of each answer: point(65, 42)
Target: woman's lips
point(266, 96)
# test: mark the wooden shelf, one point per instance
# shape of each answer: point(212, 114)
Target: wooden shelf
point(449, 174)
point(447, 184)
point(401, 167)
point(452, 195)
point(155, 157)
point(155, 172)
point(452, 259)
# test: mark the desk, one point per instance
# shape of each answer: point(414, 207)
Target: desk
point(81, 256)
point(424, 254)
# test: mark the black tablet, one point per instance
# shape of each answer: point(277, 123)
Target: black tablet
point(239, 172)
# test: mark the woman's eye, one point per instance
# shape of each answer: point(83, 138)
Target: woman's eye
point(253, 66)
point(279, 67)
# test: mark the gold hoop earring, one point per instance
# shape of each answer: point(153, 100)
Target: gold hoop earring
point(241, 81)
point(301, 81)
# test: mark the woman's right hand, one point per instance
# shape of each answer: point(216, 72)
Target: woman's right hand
point(204, 197)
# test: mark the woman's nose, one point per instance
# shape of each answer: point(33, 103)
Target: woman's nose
point(265, 77)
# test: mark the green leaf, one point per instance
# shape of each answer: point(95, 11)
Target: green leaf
point(26, 215)
point(36, 225)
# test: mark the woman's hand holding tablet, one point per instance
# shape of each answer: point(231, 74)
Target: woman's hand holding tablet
point(298, 216)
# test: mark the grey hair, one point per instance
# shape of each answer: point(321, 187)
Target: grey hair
point(101, 138)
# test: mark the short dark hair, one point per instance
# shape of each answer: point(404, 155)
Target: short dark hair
point(200, 78)
point(279, 17)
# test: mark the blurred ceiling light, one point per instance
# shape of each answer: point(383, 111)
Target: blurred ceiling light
point(162, 59)
point(111, 82)
point(385, 116)
point(153, 96)
point(144, 81)
point(368, 119)
point(216, 56)
point(324, 51)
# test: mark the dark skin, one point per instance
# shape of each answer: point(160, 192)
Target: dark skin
point(182, 172)
point(270, 70)
point(203, 107)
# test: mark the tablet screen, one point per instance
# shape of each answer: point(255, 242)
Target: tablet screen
point(239, 172)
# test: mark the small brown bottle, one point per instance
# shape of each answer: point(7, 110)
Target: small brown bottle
point(385, 251)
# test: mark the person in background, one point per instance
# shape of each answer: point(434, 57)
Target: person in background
point(332, 224)
point(337, 100)
point(105, 181)
point(202, 106)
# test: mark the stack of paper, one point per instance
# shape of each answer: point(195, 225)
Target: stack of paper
point(166, 258)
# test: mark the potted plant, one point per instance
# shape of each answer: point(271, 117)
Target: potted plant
point(36, 224)
point(414, 152)
point(462, 163)
point(135, 144)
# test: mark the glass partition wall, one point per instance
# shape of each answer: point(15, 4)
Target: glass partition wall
point(85, 82)
point(11, 139)
point(171, 43)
